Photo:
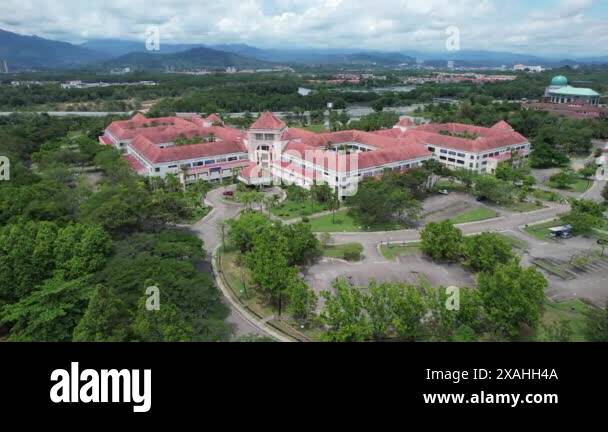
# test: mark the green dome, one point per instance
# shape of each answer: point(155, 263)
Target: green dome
point(559, 80)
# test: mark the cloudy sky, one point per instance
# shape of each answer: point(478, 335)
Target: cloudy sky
point(560, 27)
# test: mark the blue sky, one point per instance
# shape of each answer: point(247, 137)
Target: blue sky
point(549, 27)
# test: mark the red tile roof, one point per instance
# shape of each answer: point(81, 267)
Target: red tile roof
point(155, 154)
point(135, 164)
point(268, 121)
point(503, 125)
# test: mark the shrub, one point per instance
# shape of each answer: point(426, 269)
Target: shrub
point(352, 252)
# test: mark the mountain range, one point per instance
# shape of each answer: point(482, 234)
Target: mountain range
point(35, 53)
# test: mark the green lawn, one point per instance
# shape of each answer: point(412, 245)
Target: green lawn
point(523, 207)
point(544, 195)
point(581, 185)
point(346, 223)
point(541, 231)
point(572, 311)
point(292, 209)
point(343, 223)
point(391, 252)
point(474, 215)
point(337, 251)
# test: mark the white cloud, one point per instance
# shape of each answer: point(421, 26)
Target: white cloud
point(377, 24)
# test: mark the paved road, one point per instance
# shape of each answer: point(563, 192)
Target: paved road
point(511, 221)
point(209, 230)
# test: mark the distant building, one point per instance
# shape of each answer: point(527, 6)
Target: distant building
point(560, 92)
point(574, 102)
point(197, 148)
point(526, 68)
point(451, 64)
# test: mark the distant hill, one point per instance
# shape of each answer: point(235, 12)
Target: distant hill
point(117, 47)
point(194, 58)
point(32, 52)
point(318, 57)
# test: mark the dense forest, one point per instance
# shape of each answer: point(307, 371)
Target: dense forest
point(82, 237)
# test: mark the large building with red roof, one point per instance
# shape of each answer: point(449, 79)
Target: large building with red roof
point(199, 148)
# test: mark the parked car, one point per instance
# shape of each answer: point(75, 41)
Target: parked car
point(444, 192)
point(229, 194)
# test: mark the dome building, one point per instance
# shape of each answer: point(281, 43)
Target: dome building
point(561, 92)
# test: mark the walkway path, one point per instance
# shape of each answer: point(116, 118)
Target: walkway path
point(209, 229)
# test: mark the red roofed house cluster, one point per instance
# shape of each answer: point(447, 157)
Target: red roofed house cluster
point(199, 148)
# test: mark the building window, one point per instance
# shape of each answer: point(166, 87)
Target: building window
point(269, 137)
point(432, 149)
point(259, 137)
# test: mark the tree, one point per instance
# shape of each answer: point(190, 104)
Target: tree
point(333, 205)
point(269, 265)
point(605, 193)
point(164, 325)
point(485, 251)
point(563, 179)
point(382, 201)
point(584, 216)
point(442, 241)
point(50, 313)
point(302, 247)
point(546, 156)
point(344, 314)
point(496, 190)
point(106, 319)
point(302, 299)
point(597, 324)
point(512, 296)
point(409, 310)
point(243, 230)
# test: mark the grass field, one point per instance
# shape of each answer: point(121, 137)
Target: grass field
point(572, 311)
point(346, 223)
point(523, 207)
point(541, 231)
point(391, 252)
point(544, 195)
point(291, 209)
point(238, 281)
point(337, 251)
point(474, 215)
point(579, 186)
